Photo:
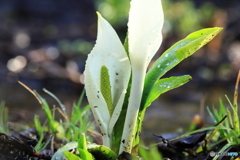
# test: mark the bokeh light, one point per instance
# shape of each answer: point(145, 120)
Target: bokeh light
point(17, 64)
point(22, 40)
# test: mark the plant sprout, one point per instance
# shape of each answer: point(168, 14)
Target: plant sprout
point(118, 86)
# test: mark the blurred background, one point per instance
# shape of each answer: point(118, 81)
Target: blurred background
point(44, 44)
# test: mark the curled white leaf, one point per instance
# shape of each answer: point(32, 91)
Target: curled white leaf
point(144, 37)
point(108, 52)
point(144, 30)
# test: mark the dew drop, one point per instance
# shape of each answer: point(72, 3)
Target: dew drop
point(158, 66)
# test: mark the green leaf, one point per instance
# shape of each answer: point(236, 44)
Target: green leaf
point(47, 111)
point(71, 156)
point(82, 142)
point(85, 155)
point(3, 118)
point(101, 152)
point(59, 154)
point(151, 153)
point(83, 150)
point(59, 102)
point(164, 85)
point(175, 55)
point(211, 115)
point(118, 127)
point(125, 45)
point(169, 59)
point(106, 88)
point(40, 129)
point(161, 86)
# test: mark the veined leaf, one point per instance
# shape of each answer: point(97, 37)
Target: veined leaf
point(71, 156)
point(101, 152)
point(161, 86)
point(164, 85)
point(169, 59)
point(85, 155)
point(82, 144)
point(83, 150)
point(175, 55)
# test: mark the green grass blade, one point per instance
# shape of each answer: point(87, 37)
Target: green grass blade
point(38, 125)
point(223, 149)
point(47, 111)
point(42, 145)
point(40, 129)
point(235, 105)
point(80, 99)
point(63, 108)
point(235, 116)
point(230, 120)
point(222, 112)
point(211, 115)
point(3, 118)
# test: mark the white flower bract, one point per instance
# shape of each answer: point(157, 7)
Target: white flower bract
point(144, 39)
point(108, 52)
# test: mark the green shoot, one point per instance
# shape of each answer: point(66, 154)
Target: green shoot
point(151, 153)
point(231, 132)
point(3, 118)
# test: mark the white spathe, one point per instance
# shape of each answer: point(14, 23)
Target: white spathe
point(144, 30)
point(144, 38)
point(108, 52)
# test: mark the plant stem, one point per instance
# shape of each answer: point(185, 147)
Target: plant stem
point(103, 128)
point(235, 105)
point(129, 130)
point(106, 141)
